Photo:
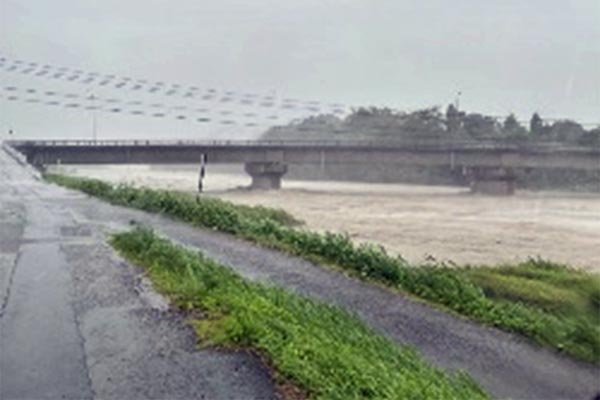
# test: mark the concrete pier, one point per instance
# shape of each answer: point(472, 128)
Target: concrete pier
point(266, 175)
point(493, 181)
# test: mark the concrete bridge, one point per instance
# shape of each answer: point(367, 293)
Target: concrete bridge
point(489, 165)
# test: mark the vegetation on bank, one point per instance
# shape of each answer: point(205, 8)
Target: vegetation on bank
point(515, 299)
point(567, 297)
point(205, 211)
point(321, 349)
point(385, 126)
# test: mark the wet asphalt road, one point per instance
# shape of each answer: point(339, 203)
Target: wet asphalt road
point(123, 339)
point(78, 323)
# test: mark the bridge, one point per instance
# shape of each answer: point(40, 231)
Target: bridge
point(490, 165)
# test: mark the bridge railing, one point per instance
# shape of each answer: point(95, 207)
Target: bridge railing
point(392, 144)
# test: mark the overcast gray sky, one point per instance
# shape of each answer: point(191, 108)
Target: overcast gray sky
point(504, 55)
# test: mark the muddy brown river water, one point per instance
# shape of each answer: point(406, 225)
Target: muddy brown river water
point(419, 222)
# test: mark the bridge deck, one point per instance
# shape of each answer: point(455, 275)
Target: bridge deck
point(453, 154)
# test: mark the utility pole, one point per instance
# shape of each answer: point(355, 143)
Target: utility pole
point(94, 123)
point(457, 100)
point(92, 97)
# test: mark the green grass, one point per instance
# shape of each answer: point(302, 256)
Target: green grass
point(560, 293)
point(205, 212)
point(545, 302)
point(323, 350)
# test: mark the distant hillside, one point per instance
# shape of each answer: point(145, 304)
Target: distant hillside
point(382, 124)
point(385, 124)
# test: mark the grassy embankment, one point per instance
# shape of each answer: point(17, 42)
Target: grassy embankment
point(321, 349)
point(552, 304)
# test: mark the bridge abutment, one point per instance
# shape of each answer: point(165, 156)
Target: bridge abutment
point(493, 181)
point(265, 175)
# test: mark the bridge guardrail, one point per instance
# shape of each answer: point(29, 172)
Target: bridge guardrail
point(447, 145)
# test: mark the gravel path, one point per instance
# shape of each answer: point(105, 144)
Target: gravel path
point(506, 365)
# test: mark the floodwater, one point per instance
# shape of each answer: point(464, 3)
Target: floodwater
point(419, 222)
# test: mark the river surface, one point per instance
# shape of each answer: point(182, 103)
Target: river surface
point(419, 222)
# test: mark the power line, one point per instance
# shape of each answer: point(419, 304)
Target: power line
point(192, 95)
point(186, 91)
point(73, 101)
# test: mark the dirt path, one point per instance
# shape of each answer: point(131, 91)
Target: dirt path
point(506, 365)
point(418, 222)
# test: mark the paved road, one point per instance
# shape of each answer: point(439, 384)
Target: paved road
point(506, 365)
point(78, 323)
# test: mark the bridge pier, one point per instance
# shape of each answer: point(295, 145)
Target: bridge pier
point(265, 175)
point(493, 181)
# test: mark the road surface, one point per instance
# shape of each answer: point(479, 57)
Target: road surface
point(78, 323)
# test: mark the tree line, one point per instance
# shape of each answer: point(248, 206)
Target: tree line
point(433, 123)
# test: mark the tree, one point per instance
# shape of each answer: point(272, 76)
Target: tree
point(425, 123)
point(566, 131)
point(480, 126)
point(590, 138)
point(536, 124)
point(453, 119)
point(513, 129)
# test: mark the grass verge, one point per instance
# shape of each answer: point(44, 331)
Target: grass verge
point(320, 348)
point(567, 299)
point(514, 298)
